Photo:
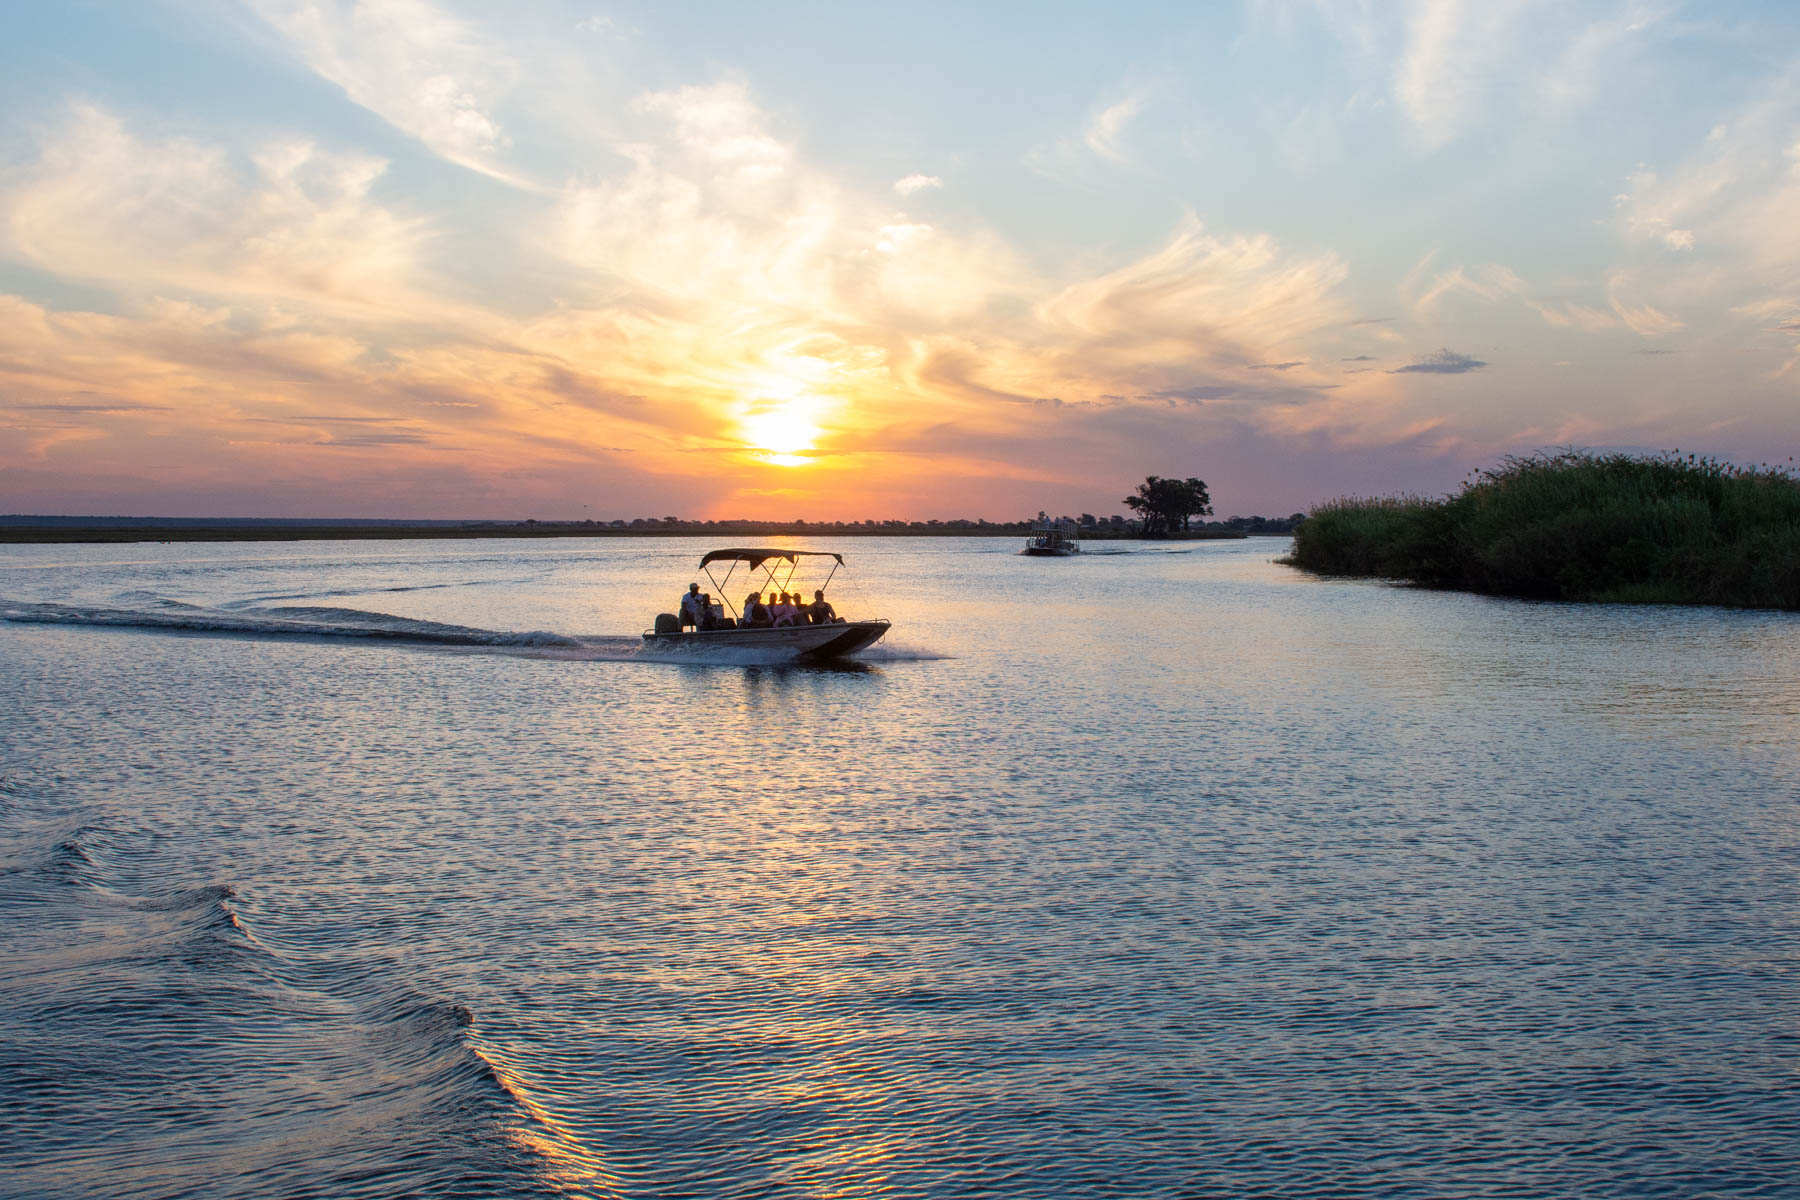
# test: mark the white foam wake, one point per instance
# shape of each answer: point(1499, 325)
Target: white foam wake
point(282, 622)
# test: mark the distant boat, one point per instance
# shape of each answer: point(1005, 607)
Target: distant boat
point(1052, 539)
point(805, 640)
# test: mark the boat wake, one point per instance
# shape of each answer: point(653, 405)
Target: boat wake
point(885, 651)
point(175, 616)
point(121, 946)
point(314, 623)
point(259, 601)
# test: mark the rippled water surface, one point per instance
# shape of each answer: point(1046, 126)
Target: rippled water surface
point(395, 869)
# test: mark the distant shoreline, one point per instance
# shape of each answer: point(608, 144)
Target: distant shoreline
point(66, 530)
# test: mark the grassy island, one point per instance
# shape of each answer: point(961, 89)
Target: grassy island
point(1573, 525)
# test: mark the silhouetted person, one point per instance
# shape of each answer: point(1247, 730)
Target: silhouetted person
point(756, 613)
point(692, 612)
point(820, 611)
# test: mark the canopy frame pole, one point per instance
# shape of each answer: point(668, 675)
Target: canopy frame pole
point(768, 577)
point(724, 592)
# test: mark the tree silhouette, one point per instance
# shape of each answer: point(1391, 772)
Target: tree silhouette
point(1169, 504)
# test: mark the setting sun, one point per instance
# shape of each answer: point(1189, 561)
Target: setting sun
point(784, 433)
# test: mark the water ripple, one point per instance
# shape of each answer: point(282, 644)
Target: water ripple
point(1298, 890)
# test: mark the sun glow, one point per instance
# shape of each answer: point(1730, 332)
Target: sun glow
point(784, 431)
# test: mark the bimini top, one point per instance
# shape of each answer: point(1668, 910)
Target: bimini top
point(757, 558)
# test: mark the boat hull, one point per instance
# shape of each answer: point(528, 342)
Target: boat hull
point(1041, 552)
point(799, 643)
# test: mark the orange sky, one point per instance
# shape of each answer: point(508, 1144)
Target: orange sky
point(440, 266)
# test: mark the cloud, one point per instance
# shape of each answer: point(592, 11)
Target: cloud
point(723, 220)
point(1444, 362)
point(1574, 316)
point(1102, 136)
point(108, 408)
point(1581, 68)
point(1200, 293)
point(1494, 283)
point(727, 269)
point(1359, 358)
point(1641, 319)
point(291, 220)
point(1198, 394)
point(415, 66)
point(275, 319)
point(1453, 51)
point(1734, 196)
point(917, 183)
point(1490, 284)
point(1449, 64)
point(1106, 128)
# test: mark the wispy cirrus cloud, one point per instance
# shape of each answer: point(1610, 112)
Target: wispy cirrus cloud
point(1102, 140)
point(1106, 128)
point(1220, 297)
point(1489, 284)
point(1448, 65)
point(1643, 319)
point(1568, 315)
point(1453, 49)
point(1728, 206)
point(411, 63)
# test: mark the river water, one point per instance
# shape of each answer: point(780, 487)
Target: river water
point(394, 869)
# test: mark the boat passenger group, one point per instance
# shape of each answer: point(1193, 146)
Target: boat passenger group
point(698, 611)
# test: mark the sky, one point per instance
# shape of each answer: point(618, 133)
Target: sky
point(417, 258)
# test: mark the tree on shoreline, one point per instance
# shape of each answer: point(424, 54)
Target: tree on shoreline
point(1168, 504)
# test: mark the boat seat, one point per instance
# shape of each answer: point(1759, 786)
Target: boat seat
point(668, 623)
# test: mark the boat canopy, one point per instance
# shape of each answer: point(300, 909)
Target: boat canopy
point(757, 558)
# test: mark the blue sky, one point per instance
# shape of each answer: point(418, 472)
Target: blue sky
point(417, 258)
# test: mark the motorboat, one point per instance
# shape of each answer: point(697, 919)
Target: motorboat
point(1052, 539)
point(722, 626)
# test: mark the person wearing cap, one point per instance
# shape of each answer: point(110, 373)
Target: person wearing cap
point(693, 611)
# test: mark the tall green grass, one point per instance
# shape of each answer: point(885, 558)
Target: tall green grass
point(1579, 526)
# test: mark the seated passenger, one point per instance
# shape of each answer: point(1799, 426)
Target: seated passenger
point(785, 612)
point(756, 613)
point(691, 610)
point(820, 611)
